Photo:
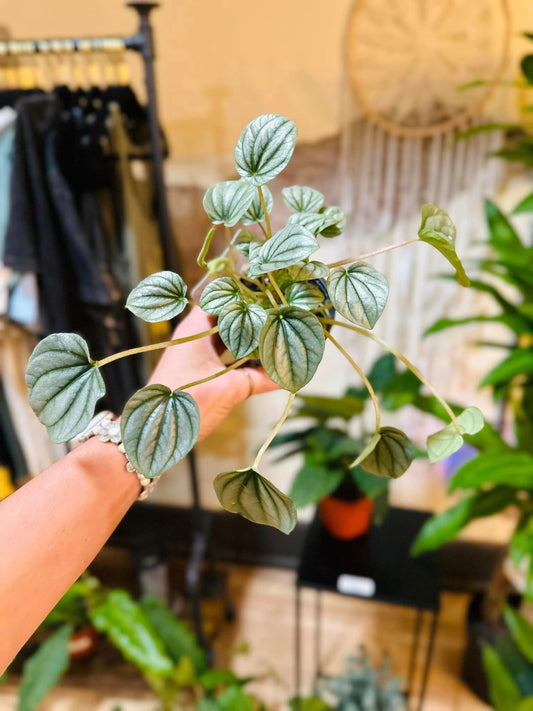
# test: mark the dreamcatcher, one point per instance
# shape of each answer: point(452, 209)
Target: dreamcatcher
point(403, 110)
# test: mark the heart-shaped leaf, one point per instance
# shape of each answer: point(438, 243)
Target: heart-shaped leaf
point(438, 230)
point(288, 246)
point(302, 199)
point(243, 241)
point(446, 441)
point(225, 203)
point(218, 294)
point(64, 385)
point(305, 271)
point(291, 347)
point(391, 456)
point(334, 221)
point(255, 212)
point(312, 221)
point(359, 293)
point(304, 295)
point(368, 449)
point(158, 428)
point(159, 297)
point(239, 326)
point(249, 494)
point(265, 147)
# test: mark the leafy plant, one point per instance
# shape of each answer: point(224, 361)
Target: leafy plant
point(270, 304)
point(148, 635)
point(362, 688)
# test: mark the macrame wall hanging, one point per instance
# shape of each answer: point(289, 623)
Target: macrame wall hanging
point(402, 111)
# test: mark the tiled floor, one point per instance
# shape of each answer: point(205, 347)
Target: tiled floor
point(265, 602)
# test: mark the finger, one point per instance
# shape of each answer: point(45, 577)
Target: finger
point(259, 381)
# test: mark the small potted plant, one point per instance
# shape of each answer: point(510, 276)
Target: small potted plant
point(268, 308)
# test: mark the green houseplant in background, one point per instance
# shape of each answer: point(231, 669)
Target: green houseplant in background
point(269, 306)
point(147, 635)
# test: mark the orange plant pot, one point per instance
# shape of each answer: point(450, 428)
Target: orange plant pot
point(346, 519)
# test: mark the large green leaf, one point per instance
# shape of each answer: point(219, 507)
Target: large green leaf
point(234, 698)
point(445, 526)
point(521, 631)
point(130, 630)
point(159, 297)
point(291, 347)
point(525, 205)
point(255, 212)
point(446, 441)
point(390, 455)
point(287, 247)
point(265, 147)
point(503, 237)
point(519, 362)
point(334, 222)
point(371, 486)
point(304, 271)
point(251, 495)
point(218, 294)
point(159, 427)
point(512, 321)
point(225, 203)
point(515, 469)
point(64, 385)
point(312, 703)
point(310, 220)
point(526, 65)
point(43, 669)
point(503, 691)
point(438, 230)
point(239, 326)
point(358, 292)
point(178, 639)
point(313, 482)
point(302, 199)
point(304, 295)
point(322, 407)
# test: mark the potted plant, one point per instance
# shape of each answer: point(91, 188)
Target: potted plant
point(268, 307)
point(147, 635)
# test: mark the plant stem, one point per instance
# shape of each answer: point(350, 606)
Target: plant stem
point(205, 248)
point(275, 431)
point(342, 262)
point(271, 298)
point(229, 243)
point(362, 375)
point(232, 366)
point(267, 216)
point(404, 360)
point(262, 229)
point(277, 289)
point(155, 346)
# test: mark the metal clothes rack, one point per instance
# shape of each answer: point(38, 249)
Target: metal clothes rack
point(143, 43)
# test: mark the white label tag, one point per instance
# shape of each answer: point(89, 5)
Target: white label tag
point(356, 585)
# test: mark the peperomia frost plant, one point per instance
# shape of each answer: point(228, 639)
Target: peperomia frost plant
point(274, 304)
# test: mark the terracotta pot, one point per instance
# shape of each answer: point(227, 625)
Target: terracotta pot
point(346, 520)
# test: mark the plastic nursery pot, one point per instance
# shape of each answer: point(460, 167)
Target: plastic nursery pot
point(346, 514)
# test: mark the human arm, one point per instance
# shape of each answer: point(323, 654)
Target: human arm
point(53, 527)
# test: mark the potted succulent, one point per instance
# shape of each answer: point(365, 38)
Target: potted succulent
point(268, 307)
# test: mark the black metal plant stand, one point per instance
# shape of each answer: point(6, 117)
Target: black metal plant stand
point(376, 566)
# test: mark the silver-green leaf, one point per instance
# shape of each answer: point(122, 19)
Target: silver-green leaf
point(312, 221)
point(291, 347)
point(255, 212)
point(304, 271)
point(391, 456)
point(300, 198)
point(251, 495)
point(159, 427)
point(159, 297)
point(225, 203)
point(446, 441)
point(218, 294)
point(288, 246)
point(265, 147)
point(239, 327)
point(243, 241)
point(438, 230)
point(64, 385)
point(304, 295)
point(334, 221)
point(359, 293)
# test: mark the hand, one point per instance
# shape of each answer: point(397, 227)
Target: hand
point(188, 362)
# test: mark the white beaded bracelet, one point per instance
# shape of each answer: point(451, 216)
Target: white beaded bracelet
point(104, 425)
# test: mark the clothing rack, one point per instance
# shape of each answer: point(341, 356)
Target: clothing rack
point(143, 43)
